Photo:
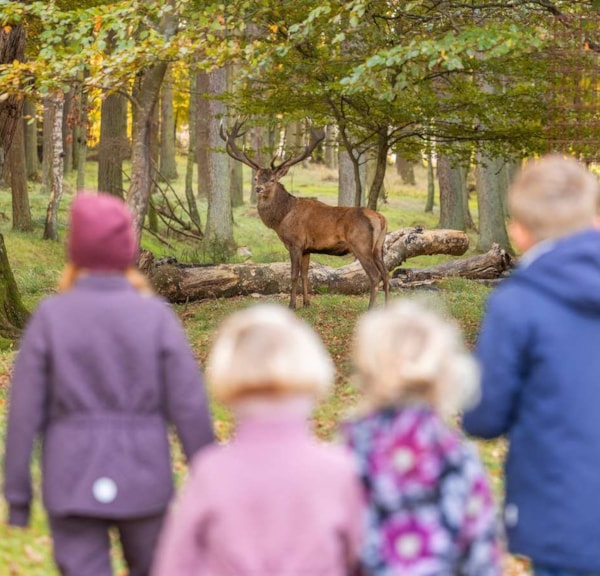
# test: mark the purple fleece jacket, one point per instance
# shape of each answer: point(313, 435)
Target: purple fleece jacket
point(101, 371)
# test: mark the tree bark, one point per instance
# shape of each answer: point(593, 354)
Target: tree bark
point(202, 127)
point(149, 82)
point(451, 184)
point(21, 214)
point(47, 142)
point(68, 125)
point(56, 185)
point(32, 160)
point(430, 202)
point(114, 144)
point(81, 134)
point(167, 164)
point(179, 283)
point(191, 154)
point(219, 217)
point(406, 170)
point(346, 187)
point(12, 47)
point(380, 168)
point(492, 223)
point(13, 315)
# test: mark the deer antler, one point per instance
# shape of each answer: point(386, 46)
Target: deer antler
point(232, 148)
point(316, 136)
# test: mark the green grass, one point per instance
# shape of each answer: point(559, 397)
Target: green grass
point(37, 265)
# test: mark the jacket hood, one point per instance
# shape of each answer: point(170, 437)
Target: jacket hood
point(570, 271)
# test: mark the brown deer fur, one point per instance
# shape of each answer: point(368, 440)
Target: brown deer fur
point(307, 226)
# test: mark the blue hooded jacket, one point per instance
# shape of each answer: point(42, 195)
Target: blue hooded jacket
point(539, 346)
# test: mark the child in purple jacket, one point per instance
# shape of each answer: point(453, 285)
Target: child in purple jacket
point(430, 510)
point(274, 501)
point(103, 368)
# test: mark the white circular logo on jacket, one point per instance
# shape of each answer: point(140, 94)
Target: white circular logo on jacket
point(104, 490)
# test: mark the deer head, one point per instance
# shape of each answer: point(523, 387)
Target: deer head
point(266, 178)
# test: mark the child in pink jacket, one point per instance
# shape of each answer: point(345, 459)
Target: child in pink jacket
point(274, 501)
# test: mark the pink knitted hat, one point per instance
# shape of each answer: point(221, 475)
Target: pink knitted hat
point(101, 233)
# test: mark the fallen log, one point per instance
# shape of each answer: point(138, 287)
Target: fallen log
point(187, 282)
point(491, 265)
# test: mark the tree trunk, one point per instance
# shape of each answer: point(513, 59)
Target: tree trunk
point(430, 202)
point(189, 282)
point(47, 143)
point(13, 315)
point(191, 156)
point(406, 170)
point(56, 189)
point(81, 138)
point(451, 194)
point(167, 164)
point(149, 82)
point(12, 47)
point(114, 144)
point(380, 167)
point(346, 186)
point(32, 160)
point(21, 214)
point(330, 148)
point(236, 182)
point(202, 129)
point(219, 217)
point(492, 224)
point(67, 129)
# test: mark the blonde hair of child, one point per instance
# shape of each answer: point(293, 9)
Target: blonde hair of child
point(72, 273)
point(266, 350)
point(407, 353)
point(553, 197)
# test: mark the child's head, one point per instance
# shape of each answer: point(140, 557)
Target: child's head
point(101, 239)
point(408, 352)
point(101, 236)
point(552, 197)
point(266, 351)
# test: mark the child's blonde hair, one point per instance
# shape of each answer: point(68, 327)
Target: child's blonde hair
point(72, 273)
point(408, 352)
point(553, 197)
point(267, 350)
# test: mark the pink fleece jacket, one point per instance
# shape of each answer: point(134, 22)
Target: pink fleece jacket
point(273, 502)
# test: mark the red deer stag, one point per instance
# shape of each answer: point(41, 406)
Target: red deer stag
point(307, 226)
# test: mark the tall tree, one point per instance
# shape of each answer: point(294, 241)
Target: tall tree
point(219, 218)
point(32, 160)
point(113, 146)
point(56, 101)
point(168, 164)
point(490, 191)
point(13, 315)
point(452, 191)
point(21, 214)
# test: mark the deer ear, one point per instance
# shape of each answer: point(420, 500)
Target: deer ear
point(281, 171)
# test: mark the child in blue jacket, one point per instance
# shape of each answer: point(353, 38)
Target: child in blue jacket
point(539, 347)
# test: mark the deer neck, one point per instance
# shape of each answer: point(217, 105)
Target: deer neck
point(273, 210)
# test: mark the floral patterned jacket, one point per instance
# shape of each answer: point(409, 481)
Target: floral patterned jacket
point(429, 506)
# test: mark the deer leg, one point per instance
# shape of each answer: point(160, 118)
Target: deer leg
point(295, 258)
point(373, 274)
point(385, 275)
point(304, 276)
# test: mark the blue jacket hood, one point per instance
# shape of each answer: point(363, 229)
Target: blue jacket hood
point(570, 271)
